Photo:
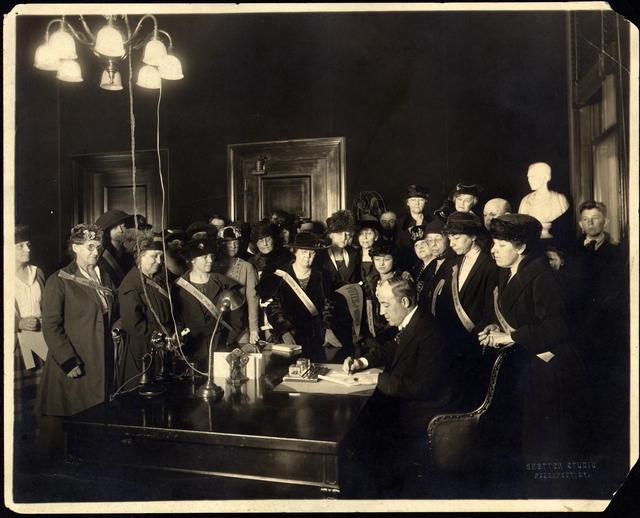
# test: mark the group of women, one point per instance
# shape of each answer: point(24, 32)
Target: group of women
point(303, 288)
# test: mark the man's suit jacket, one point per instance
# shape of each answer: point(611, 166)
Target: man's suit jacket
point(324, 261)
point(419, 379)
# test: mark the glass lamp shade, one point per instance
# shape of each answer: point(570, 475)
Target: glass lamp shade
point(62, 44)
point(170, 68)
point(109, 42)
point(149, 77)
point(111, 81)
point(46, 58)
point(69, 71)
point(154, 51)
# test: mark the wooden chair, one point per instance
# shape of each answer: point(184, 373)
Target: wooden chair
point(473, 441)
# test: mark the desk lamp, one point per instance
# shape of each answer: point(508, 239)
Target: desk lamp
point(229, 300)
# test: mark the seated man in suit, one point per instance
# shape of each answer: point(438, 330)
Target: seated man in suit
point(418, 382)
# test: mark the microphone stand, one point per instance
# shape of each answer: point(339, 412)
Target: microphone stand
point(210, 391)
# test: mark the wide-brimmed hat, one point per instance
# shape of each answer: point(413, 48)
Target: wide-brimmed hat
point(22, 233)
point(306, 240)
point(84, 232)
point(111, 218)
point(199, 247)
point(341, 221)
point(138, 241)
point(516, 228)
point(143, 224)
point(174, 234)
point(466, 188)
point(263, 229)
point(435, 226)
point(369, 221)
point(206, 230)
point(383, 247)
point(229, 233)
point(417, 191)
point(463, 223)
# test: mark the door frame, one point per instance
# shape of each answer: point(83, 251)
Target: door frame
point(236, 150)
point(144, 157)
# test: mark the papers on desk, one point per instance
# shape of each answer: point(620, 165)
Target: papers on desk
point(368, 377)
point(283, 349)
point(364, 386)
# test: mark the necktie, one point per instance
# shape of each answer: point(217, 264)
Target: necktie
point(342, 269)
point(591, 247)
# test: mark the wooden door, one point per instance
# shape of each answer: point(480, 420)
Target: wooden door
point(304, 177)
point(105, 182)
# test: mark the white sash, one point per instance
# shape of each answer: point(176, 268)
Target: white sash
point(501, 320)
point(436, 293)
point(354, 297)
point(372, 328)
point(297, 289)
point(462, 314)
point(202, 299)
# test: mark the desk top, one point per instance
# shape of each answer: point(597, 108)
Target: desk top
point(249, 415)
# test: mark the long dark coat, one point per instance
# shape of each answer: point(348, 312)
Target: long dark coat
point(476, 299)
point(443, 272)
point(556, 402)
point(201, 322)
point(77, 332)
point(352, 274)
point(138, 322)
point(287, 313)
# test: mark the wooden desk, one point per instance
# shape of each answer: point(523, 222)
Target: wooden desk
point(253, 433)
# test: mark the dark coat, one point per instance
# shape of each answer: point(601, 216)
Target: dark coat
point(269, 262)
point(443, 272)
point(476, 299)
point(352, 275)
point(139, 322)
point(123, 263)
point(419, 380)
point(286, 313)
point(77, 332)
point(201, 322)
point(556, 399)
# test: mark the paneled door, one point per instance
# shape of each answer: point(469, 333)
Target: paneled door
point(305, 177)
point(105, 182)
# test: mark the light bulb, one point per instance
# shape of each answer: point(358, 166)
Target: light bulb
point(149, 77)
point(69, 71)
point(62, 44)
point(170, 68)
point(109, 42)
point(154, 51)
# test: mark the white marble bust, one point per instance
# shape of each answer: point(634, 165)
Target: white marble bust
point(543, 204)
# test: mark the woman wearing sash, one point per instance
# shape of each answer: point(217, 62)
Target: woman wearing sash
point(340, 260)
point(114, 258)
point(375, 328)
point(77, 314)
point(197, 292)
point(463, 303)
point(530, 314)
point(301, 302)
point(144, 306)
point(245, 274)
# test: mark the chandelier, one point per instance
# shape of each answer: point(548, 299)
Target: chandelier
point(58, 52)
